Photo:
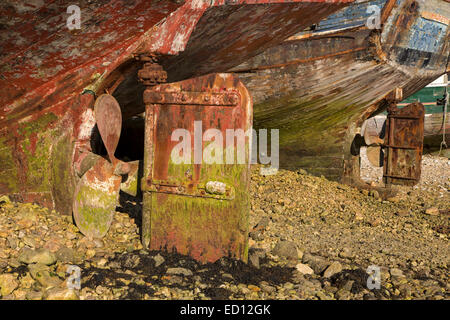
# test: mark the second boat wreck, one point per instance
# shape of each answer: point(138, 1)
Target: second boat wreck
point(319, 86)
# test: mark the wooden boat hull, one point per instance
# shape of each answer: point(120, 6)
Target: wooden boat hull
point(50, 74)
point(318, 87)
point(64, 97)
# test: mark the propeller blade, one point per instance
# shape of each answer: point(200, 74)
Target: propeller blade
point(96, 199)
point(130, 185)
point(109, 123)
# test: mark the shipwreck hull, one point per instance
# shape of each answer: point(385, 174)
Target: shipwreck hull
point(318, 87)
point(69, 99)
point(46, 68)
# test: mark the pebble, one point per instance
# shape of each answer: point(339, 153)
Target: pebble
point(395, 272)
point(41, 255)
point(61, 294)
point(179, 271)
point(317, 263)
point(333, 268)
point(432, 211)
point(8, 283)
point(286, 249)
point(346, 253)
point(34, 295)
point(304, 269)
point(159, 260)
point(66, 255)
point(330, 219)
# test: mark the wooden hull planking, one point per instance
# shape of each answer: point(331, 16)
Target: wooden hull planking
point(318, 87)
point(46, 68)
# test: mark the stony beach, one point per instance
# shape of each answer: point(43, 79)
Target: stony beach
point(309, 239)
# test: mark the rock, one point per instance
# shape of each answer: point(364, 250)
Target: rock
point(34, 295)
point(86, 243)
point(432, 211)
point(254, 255)
point(102, 262)
point(256, 235)
point(253, 259)
point(359, 216)
point(61, 294)
point(65, 255)
point(8, 283)
point(395, 272)
point(348, 285)
point(318, 264)
point(227, 276)
point(254, 288)
point(402, 213)
point(53, 245)
point(132, 261)
point(286, 249)
point(30, 242)
point(322, 296)
point(266, 287)
point(98, 243)
point(159, 260)
point(332, 269)
point(346, 253)
point(12, 241)
point(4, 199)
point(288, 286)
point(42, 255)
point(343, 294)
point(37, 267)
point(375, 223)
point(26, 281)
point(179, 271)
point(19, 294)
point(90, 253)
point(393, 199)
point(42, 274)
point(262, 224)
point(304, 269)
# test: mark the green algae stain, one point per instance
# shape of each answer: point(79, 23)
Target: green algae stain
point(8, 171)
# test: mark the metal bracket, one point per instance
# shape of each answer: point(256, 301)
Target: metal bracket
point(201, 190)
point(222, 99)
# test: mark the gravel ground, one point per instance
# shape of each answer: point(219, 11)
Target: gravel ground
point(310, 239)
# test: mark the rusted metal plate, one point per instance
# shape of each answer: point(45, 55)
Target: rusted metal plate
point(404, 144)
point(96, 198)
point(108, 117)
point(196, 207)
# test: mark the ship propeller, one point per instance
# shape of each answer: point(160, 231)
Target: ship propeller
point(97, 193)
